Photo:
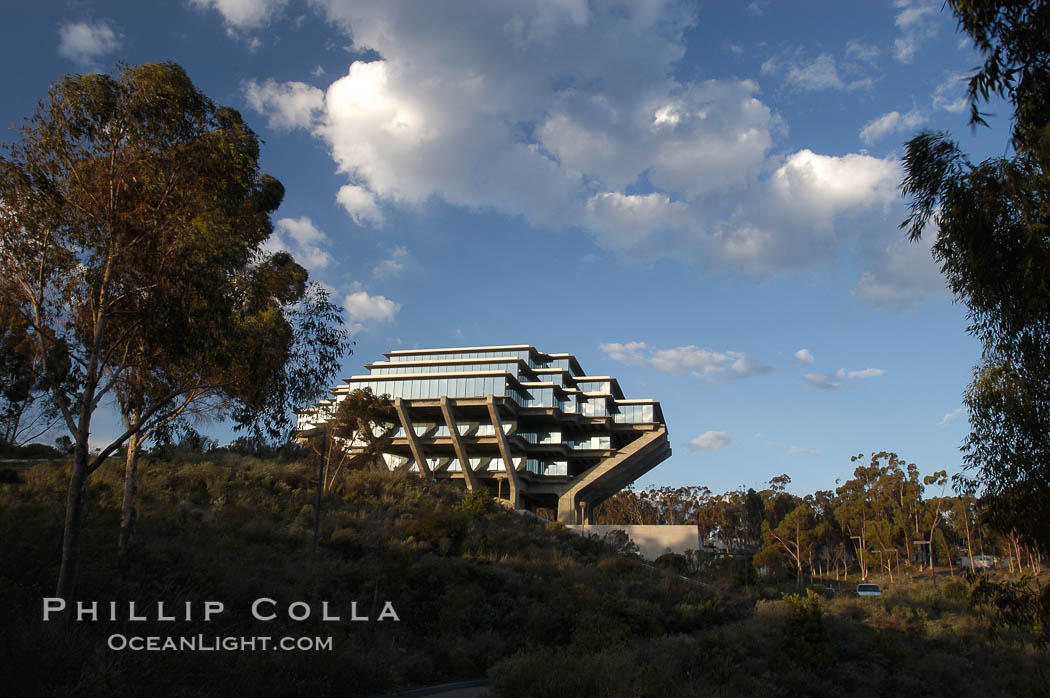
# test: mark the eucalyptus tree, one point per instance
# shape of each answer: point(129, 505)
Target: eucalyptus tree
point(794, 535)
point(992, 227)
point(132, 211)
point(20, 384)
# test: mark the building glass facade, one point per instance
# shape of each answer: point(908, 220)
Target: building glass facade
point(555, 423)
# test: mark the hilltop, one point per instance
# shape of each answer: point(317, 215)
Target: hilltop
point(479, 592)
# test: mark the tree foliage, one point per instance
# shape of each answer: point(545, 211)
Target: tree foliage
point(993, 244)
point(132, 216)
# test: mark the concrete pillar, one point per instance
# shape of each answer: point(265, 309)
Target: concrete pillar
point(413, 439)
point(567, 508)
point(469, 475)
point(504, 449)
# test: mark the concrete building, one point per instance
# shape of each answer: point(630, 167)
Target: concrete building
point(530, 427)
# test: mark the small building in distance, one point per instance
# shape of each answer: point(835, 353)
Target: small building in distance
point(531, 428)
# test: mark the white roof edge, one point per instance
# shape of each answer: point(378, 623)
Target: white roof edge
point(465, 359)
point(413, 376)
point(446, 350)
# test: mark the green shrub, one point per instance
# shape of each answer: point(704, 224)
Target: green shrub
point(806, 639)
point(478, 502)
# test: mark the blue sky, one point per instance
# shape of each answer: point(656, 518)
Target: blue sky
point(698, 198)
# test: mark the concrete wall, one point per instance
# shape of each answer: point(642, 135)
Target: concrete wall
point(652, 541)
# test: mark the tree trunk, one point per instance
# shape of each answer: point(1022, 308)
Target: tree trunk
point(127, 510)
point(969, 541)
point(67, 570)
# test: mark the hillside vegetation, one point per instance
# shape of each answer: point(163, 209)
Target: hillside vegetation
point(480, 592)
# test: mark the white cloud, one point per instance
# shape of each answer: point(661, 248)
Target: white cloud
point(360, 204)
point(836, 379)
point(899, 274)
point(915, 24)
point(392, 265)
point(634, 222)
point(819, 74)
point(474, 107)
point(803, 73)
point(300, 238)
point(891, 122)
point(84, 42)
point(799, 450)
point(302, 230)
point(950, 95)
point(244, 14)
point(952, 416)
point(363, 309)
point(711, 441)
point(804, 356)
point(860, 51)
point(796, 219)
point(308, 239)
point(861, 84)
point(866, 373)
point(700, 363)
point(824, 381)
point(287, 105)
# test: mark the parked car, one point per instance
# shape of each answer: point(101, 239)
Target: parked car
point(868, 590)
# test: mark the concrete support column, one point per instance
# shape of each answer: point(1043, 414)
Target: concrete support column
point(567, 508)
point(504, 449)
point(413, 438)
point(457, 441)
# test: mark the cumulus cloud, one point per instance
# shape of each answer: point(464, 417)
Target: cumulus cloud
point(301, 239)
point(474, 107)
point(711, 441)
point(915, 24)
point(244, 14)
point(836, 379)
point(286, 105)
point(85, 43)
point(952, 416)
point(308, 240)
point(796, 221)
point(804, 356)
point(360, 204)
point(363, 309)
point(700, 363)
point(899, 274)
point(891, 122)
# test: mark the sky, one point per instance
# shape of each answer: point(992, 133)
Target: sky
point(699, 198)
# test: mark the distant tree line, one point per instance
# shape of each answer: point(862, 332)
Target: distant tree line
point(886, 519)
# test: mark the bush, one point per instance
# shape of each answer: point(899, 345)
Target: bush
point(46, 477)
point(478, 502)
point(807, 640)
point(675, 562)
